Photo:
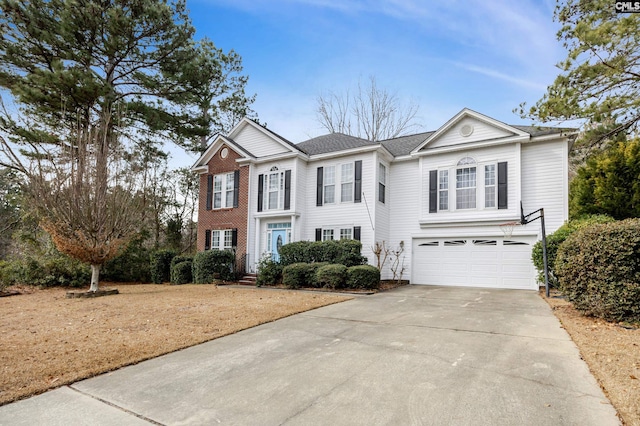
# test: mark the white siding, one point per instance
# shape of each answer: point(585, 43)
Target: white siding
point(258, 143)
point(545, 182)
point(347, 214)
point(481, 131)
point(490, 155)
point(405, 210)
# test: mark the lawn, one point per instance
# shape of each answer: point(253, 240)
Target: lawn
point(612, 352)
point(49, 340)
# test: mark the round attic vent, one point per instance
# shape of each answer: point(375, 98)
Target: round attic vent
point(224, 153)
point(466, 130)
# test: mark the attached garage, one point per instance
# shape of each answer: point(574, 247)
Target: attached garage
point(495, 262)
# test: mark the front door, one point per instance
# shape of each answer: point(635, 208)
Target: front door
point(278, 239)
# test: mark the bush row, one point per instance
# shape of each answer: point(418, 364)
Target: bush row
point(554, 241)
point(345, 252)
point(598, 269)
point(334, 276)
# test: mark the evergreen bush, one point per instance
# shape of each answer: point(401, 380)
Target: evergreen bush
point(181, 272)
point(295, 275)
point(132, 265)
point(599, 271)
point(210, 265)
point(269, 272)
point(161, 266)
point(331, 276)
point(363, 277)
point(554, 241)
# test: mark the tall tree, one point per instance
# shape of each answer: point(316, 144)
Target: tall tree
point(609, 183)
point(93, 79)
point(371, 113)
point(600, 78)
point(10, 206)
point(220, 96)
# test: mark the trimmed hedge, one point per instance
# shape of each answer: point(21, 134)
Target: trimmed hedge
point(301, 274)
point(295, 275)
point(599, 270)
point(554, 241)
point(181, 272)
point(331, 276)
point(363, 276)
point(345, 252)
point(210, 265)
point(161, 266)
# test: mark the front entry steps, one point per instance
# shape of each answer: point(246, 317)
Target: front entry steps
point(248, 279)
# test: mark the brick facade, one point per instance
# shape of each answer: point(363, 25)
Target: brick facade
point(225, 218)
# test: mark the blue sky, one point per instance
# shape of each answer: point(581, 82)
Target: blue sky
point(486, 55)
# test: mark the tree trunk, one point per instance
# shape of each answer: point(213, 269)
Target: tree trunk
point(95, 274)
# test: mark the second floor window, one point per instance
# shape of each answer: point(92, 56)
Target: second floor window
point(346, 177)
point(443, 190)
point(490, 185)
point(382, 182)
point(222, 190)
point(466, 184)
point(329, 184)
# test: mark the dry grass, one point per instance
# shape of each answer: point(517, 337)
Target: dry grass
point(48, 340)
point(612, 353)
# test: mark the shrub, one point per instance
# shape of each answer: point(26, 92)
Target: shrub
point(296, 252)
point(346, 252)
point(599, 272)
point(210, 265)
point(52, 270)
point(161, 266)
point(131, 265)
point(554, 241)
point(269, 272)
point(181, 272)
point(295, 275)
point(363, 276)
point(331, 276)
point(350, 253)
point(181, 258)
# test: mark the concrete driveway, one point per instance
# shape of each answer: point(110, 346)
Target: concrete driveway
point(416, 355)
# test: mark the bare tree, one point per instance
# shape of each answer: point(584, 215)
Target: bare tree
point(371, 113)
point(86, 196)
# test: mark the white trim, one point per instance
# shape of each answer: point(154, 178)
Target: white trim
point(470, 145)
point(466, 112)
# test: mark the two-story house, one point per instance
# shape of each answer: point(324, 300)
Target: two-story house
point(443, 194)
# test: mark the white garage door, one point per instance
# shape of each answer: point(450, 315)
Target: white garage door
point(475, 262)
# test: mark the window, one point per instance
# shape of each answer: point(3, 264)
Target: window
point(327, 234)
point(443, 190)
point(329, 184)
point(222, 239)
point(346, 233)
point(274, 189)
point(466, 184)
point(382, 182)
point(490, 185)
point(217, 191)
point(223, 191)
point(346, 178)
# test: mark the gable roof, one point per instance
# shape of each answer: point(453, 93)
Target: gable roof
point(332, 142)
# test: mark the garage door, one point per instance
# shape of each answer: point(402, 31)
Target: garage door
point(476, 262)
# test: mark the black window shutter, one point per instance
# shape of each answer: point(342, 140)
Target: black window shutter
point(318, 234)
point(260, 189)
point(502, 185)
point(207, 239)
point(433, 191)
point(236, 188)
point(357, 182)
point(287, 189)
point(234, 237)
point(356, 233)
point(209, 191)
point(319, 187)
